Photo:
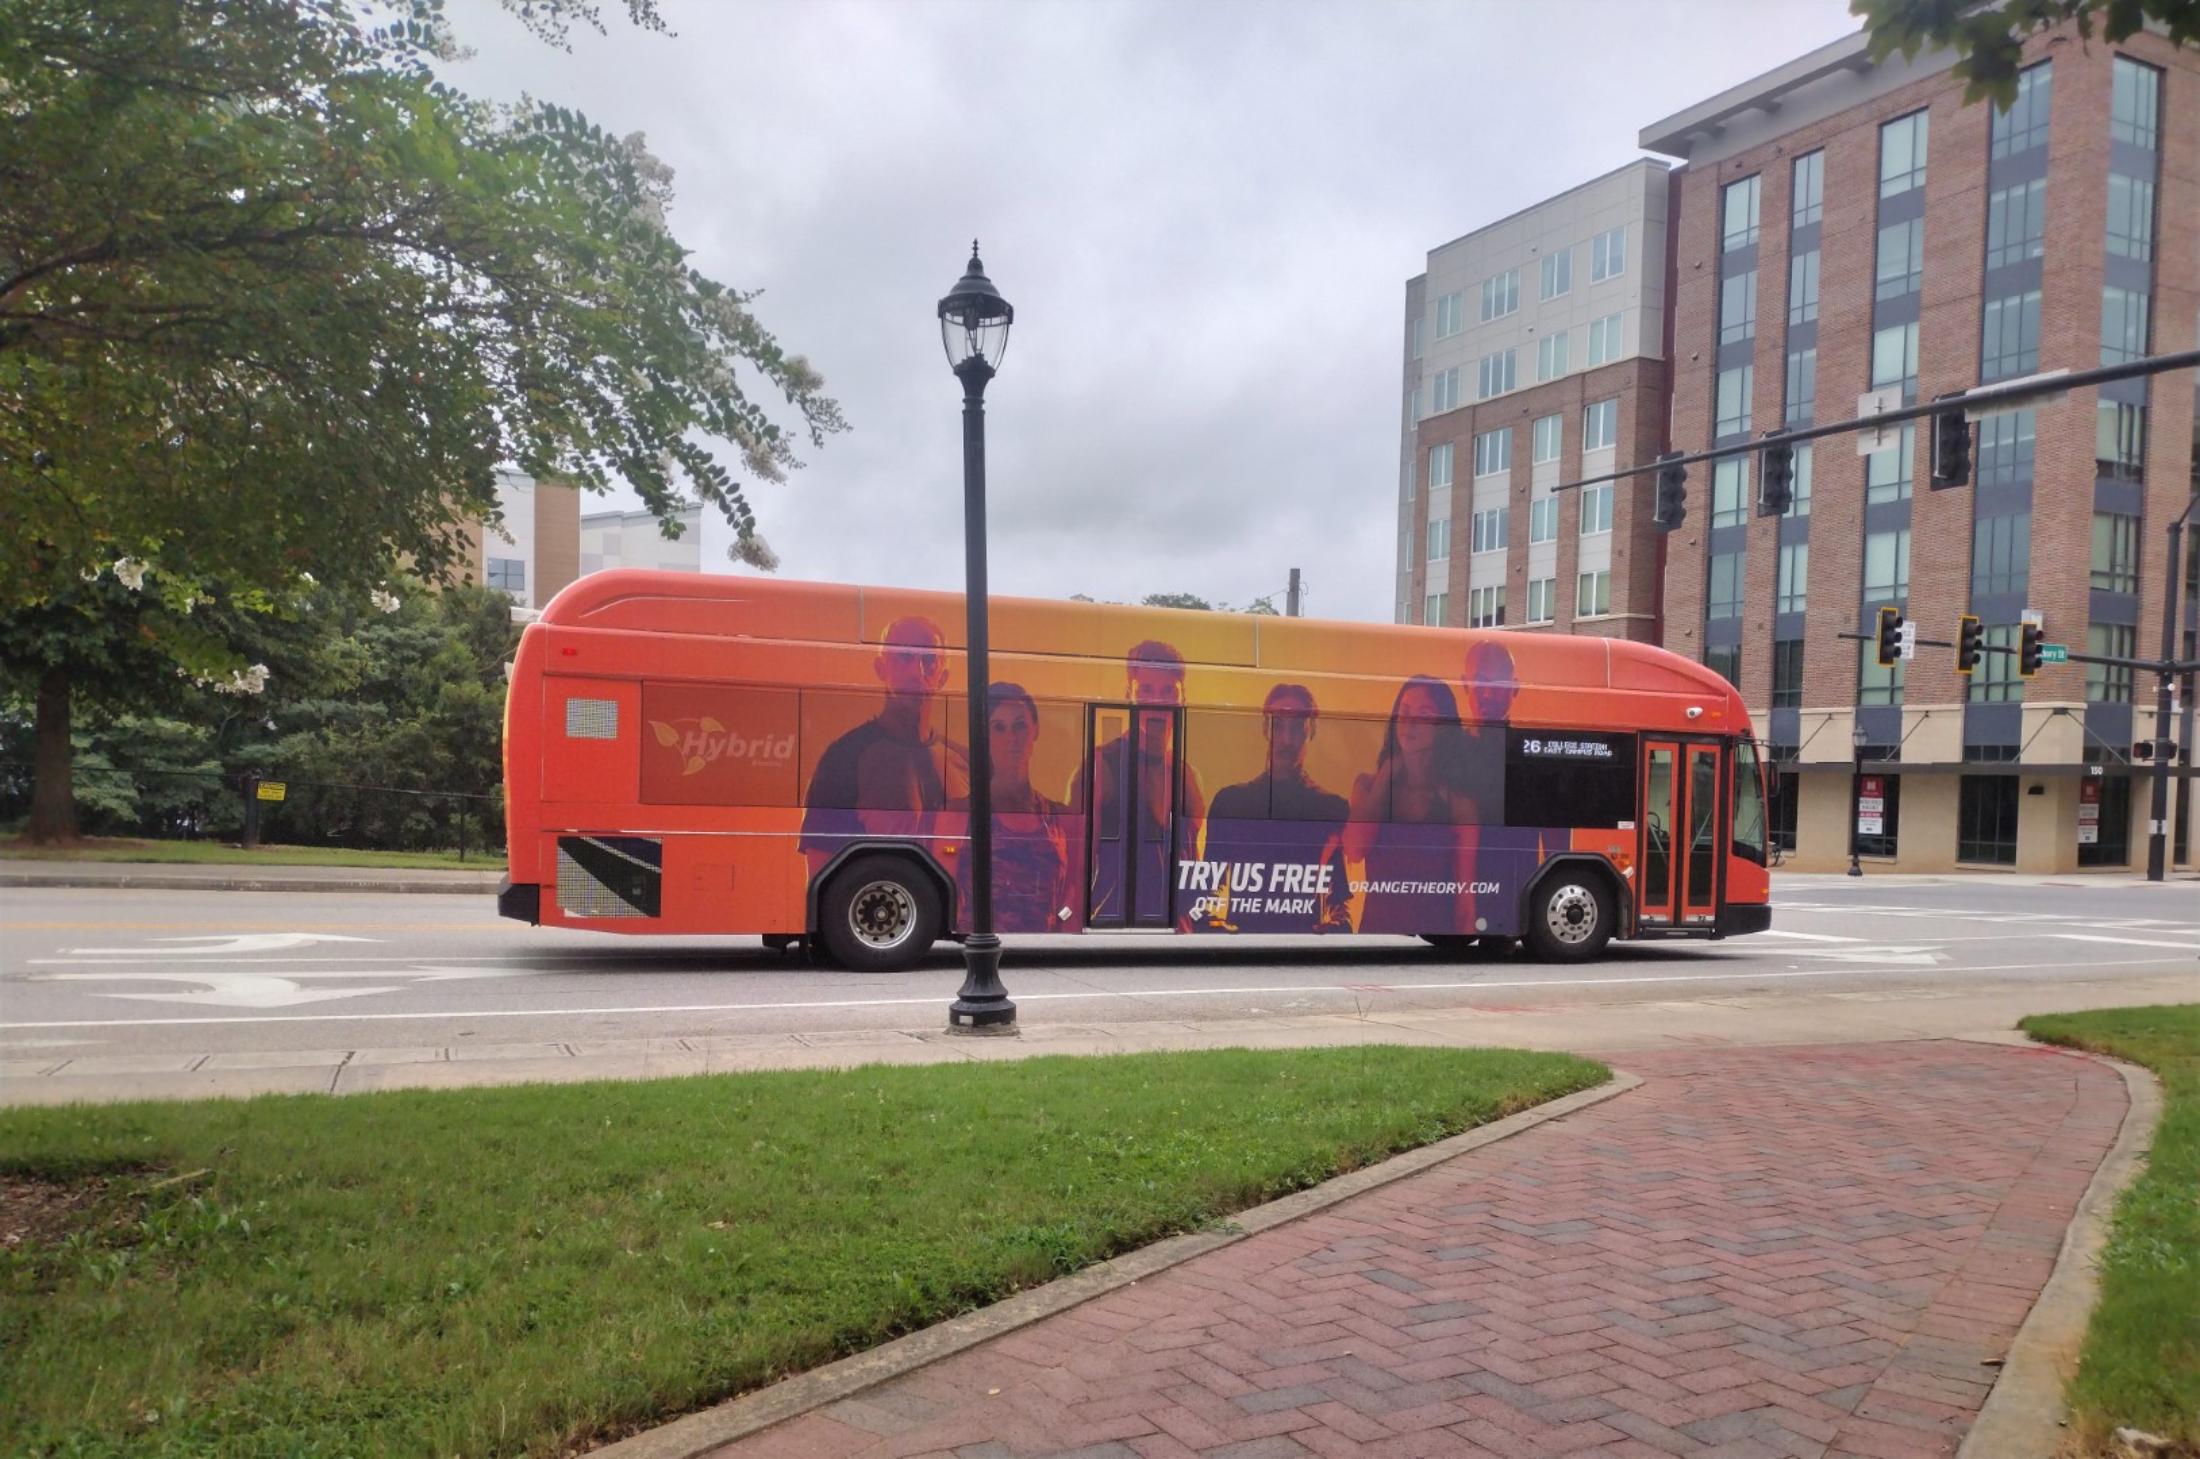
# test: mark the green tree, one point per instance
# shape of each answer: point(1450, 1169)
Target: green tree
point(1989, 39)
point(274, 301)
point(1177, 600)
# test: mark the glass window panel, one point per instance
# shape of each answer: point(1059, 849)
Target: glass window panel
point(1596, 509)
point(1887, 566)
point(1901, 259)
point(1608, 255)
point(1739, 225)
point(1802, 385)
point(2123, 325)
point(1600, 425)
point(2115, 552)
point(1493, 451)
point(1803, 288)
point(1439, 466)
point(1725, 598)
point(2016, 223)
point(2110, 683)
point(1810, 188)
point(2024, 125)
point(1730, 491)
point(2120, 440)
point(1887, 473)
point(1799, 502)
point(1738, 308)
point(2005, 449)
point(1543, 519)
point(1794, 579)
point(1902, 155)
point(1894, 359)
point(2009, 341)
point(1550, 356)
point(1558, 273)
point(2001, 554)
point(2135, 103)
point(1548, 432)
point(1734, 402)
point(2130, 217)
point(1593, 594)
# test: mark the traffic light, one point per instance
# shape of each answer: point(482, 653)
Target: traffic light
point(1969, 636)
point(1776, 479)
point(1951, 450)
point(2030, 637)
point(2146, 752)
point(1671, 508)
point(1889, 642)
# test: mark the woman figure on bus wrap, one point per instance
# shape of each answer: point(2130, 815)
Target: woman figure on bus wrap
point(1416, 783)
point(1033, 880)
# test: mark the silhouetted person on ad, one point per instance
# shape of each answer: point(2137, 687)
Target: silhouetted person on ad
point(1033, 858)
point(884, 777)
point(1304, 826)
point(1154, 680)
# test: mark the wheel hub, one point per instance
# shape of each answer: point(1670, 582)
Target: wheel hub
point(882, 914)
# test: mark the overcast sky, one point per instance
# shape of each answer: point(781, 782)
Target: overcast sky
point(1204, 213)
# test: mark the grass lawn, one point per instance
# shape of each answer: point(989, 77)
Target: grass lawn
point(215, 853)
point(2141, 1362)
point(509, 1271)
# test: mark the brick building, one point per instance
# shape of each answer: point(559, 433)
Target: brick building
point(1838, 227)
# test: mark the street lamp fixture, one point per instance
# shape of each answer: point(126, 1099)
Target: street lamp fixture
point(974, 321)
point(1859, 739)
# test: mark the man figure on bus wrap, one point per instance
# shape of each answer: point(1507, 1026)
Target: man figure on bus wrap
point(885, 777)
point(1282, 817)
point(1155, 681)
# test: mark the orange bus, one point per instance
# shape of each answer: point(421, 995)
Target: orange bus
point(695, 755)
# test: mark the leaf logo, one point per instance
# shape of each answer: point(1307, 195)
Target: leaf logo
point(713, 726)
point(695, 763)
point(666, 734)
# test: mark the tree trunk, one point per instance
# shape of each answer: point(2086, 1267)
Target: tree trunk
point(53, 792)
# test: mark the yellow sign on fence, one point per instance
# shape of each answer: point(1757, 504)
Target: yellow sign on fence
point(272, 789)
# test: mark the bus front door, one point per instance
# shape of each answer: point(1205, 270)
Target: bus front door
point(1132, 816)
point(1679, 861)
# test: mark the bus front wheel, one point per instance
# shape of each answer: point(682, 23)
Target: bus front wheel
point(1571, 918)
point(880, 915)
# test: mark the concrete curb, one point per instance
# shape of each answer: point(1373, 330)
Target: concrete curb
point(2023, 1415)
point(699, 1433)
point(464, 883)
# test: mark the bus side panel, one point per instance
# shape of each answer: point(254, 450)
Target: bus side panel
point(748, 879)
point(1400, 879)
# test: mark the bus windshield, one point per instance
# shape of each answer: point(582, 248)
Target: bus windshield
point(1749, 804)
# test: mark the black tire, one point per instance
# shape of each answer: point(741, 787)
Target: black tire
point(879, 914)
point(1571, 916)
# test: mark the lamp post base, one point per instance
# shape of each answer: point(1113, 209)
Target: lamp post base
point(983, 1006)
point(1856, 868)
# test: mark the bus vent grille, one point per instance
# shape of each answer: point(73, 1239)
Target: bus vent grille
point(610, 876)
point(591, 719)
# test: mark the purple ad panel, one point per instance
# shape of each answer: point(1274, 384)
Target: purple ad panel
point(1412, 879)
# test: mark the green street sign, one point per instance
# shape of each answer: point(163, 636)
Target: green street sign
point(2054, 653)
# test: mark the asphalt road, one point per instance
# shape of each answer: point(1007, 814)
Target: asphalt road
point(90, 973)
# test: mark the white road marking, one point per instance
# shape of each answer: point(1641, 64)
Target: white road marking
point(2126, 941)
point(266, 990)
point(1806, 936)
point(226, 944)
point(933, 999)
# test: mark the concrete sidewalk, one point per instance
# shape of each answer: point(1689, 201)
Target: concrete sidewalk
point(1761, 1253)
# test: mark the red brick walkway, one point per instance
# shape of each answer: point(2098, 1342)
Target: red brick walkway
point(1758, 1253)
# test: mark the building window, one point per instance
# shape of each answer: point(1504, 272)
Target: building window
point(1986, 814)
point(508, 574)
point(1799, 500)
point(1558, 273)
point(1887, 473)
point(1803, 288)
point(1730, 491)
point(1593, 594)
point(1406, 486)
point(1550, 356)
point(2109, 683)
point(1802, 386)
point(1725, 598)
point(1894, 358)
point(1604, 339)
point(2009, 342)
point(1432, 610)
point(2120, 440)
point(1420, 336)
point(1417, 412)
point(2115, 552)
point(1810, 189)
point(1543, 519)
point(1995, 680)
point(2123, 325)
point(1450, 315)
point(1548, 432)
point(1887, 566)
point(1543, 600)
point(2135, 104)
point(1501, 295)
point(2024, 125)
point(1902, 155)
point(1439, 466)
point(1794, 580)
point(1901, 259)
point(2001, 554)
point(2016, 223)
point(1739, 226)
point(1738, 308)
point(2005, 449)
point(1490, 529)
point(1493, 451)
point(1607, 255)
point(1439, 539)
point(1600, 425)
point(1876, 685)
point(1734, 407)
point(1726, 663)
point(1787, 673)
point(1445, 391)
point(1495, 375)
point(1596, 509)
point(2130, 217)
point(1486, 607)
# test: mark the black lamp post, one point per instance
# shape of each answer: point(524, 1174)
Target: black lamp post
point(1858, 739)
point(2165, 727)
point(974, 321)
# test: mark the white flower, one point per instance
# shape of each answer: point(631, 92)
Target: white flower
point(130, 572)
point(386, 601)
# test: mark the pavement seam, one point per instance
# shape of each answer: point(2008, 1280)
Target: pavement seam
point(2024, 1414)
point(697, 1434)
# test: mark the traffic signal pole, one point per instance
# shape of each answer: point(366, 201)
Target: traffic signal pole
point(2165, 731)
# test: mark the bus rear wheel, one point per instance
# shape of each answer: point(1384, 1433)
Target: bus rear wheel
point(880, 914)
point(1571, 918)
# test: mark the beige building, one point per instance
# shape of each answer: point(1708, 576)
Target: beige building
point(536, 550)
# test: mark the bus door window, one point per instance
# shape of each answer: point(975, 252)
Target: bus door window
point(1657, 833)
point(1154, 871)
point(1109, 816)
point(1700, 879)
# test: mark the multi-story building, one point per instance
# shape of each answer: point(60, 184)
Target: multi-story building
point(1534, 356)
point(1836, 229)
point(1844, 227)
point(636, 539)
point(535, 550)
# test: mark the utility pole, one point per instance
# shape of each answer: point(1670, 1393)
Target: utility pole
point(1291, 597)
point(2165, 729)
